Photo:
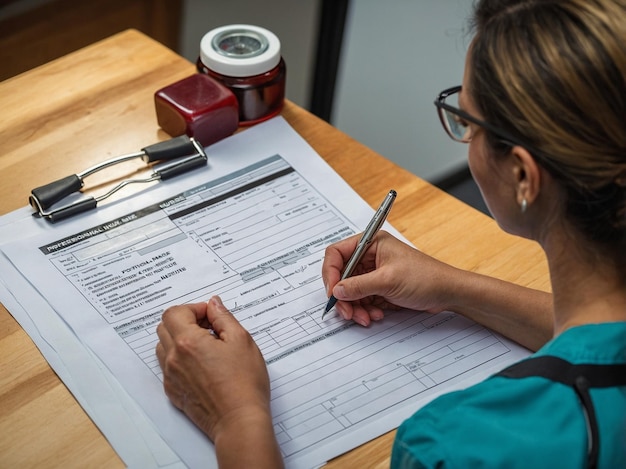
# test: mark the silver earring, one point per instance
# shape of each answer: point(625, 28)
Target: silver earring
point(524, 205)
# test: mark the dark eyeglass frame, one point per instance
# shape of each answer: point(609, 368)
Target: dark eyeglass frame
point(442, 106)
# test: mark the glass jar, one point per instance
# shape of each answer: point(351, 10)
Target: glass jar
point(246, 59)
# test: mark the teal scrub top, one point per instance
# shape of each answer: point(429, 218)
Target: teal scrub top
point(523, 423)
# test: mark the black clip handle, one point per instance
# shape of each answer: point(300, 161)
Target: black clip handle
point(45, 196)
point(169, 149)
point(71, 210)
point(181, 167)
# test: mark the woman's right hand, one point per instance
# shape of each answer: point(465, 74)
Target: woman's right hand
point(391, 275)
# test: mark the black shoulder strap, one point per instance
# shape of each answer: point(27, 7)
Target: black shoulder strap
point(562, 371)
point(580, 378)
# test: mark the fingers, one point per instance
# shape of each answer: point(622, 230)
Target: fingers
point(359, 287)
point(352, 290)
point(361, 313)
point(176, 319)
point(160, 351)
point(221, 319)
point(335, 258)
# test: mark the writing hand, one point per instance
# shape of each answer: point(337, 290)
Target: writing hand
point(390, 275)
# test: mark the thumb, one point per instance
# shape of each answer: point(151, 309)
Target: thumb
point(358, 287)
point(220, 319)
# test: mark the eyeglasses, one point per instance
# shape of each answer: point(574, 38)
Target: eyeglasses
point(455, 121)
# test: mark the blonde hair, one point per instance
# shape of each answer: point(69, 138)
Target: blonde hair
point(553, 74)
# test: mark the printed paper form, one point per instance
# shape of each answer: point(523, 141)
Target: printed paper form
point(256, 236)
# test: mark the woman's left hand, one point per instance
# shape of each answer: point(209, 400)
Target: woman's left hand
point(214, 372)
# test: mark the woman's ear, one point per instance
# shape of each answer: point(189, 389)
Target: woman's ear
point(527, 176)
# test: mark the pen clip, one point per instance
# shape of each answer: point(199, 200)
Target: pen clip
point(379, 217)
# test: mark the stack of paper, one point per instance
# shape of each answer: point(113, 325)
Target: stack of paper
point(252, 227)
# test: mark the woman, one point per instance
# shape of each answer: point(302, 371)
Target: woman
point(542, 107)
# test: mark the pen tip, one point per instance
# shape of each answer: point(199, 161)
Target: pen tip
point(331, 302)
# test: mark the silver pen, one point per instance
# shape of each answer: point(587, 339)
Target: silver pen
point(366, 238)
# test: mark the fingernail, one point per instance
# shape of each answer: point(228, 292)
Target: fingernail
point(377, 316)
point(360, 321)
point(339, 292)
point(217, 301)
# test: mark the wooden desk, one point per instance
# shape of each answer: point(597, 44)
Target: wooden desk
point(97, 103)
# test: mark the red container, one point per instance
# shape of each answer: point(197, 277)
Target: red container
point(199, 107)
point(246, 59)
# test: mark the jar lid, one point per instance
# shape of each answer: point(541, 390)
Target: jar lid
point(240, 50)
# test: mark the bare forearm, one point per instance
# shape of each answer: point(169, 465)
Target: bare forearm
point(521, 314)
point(248, 442)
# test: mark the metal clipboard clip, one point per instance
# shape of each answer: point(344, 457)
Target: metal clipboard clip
point(181, 153)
